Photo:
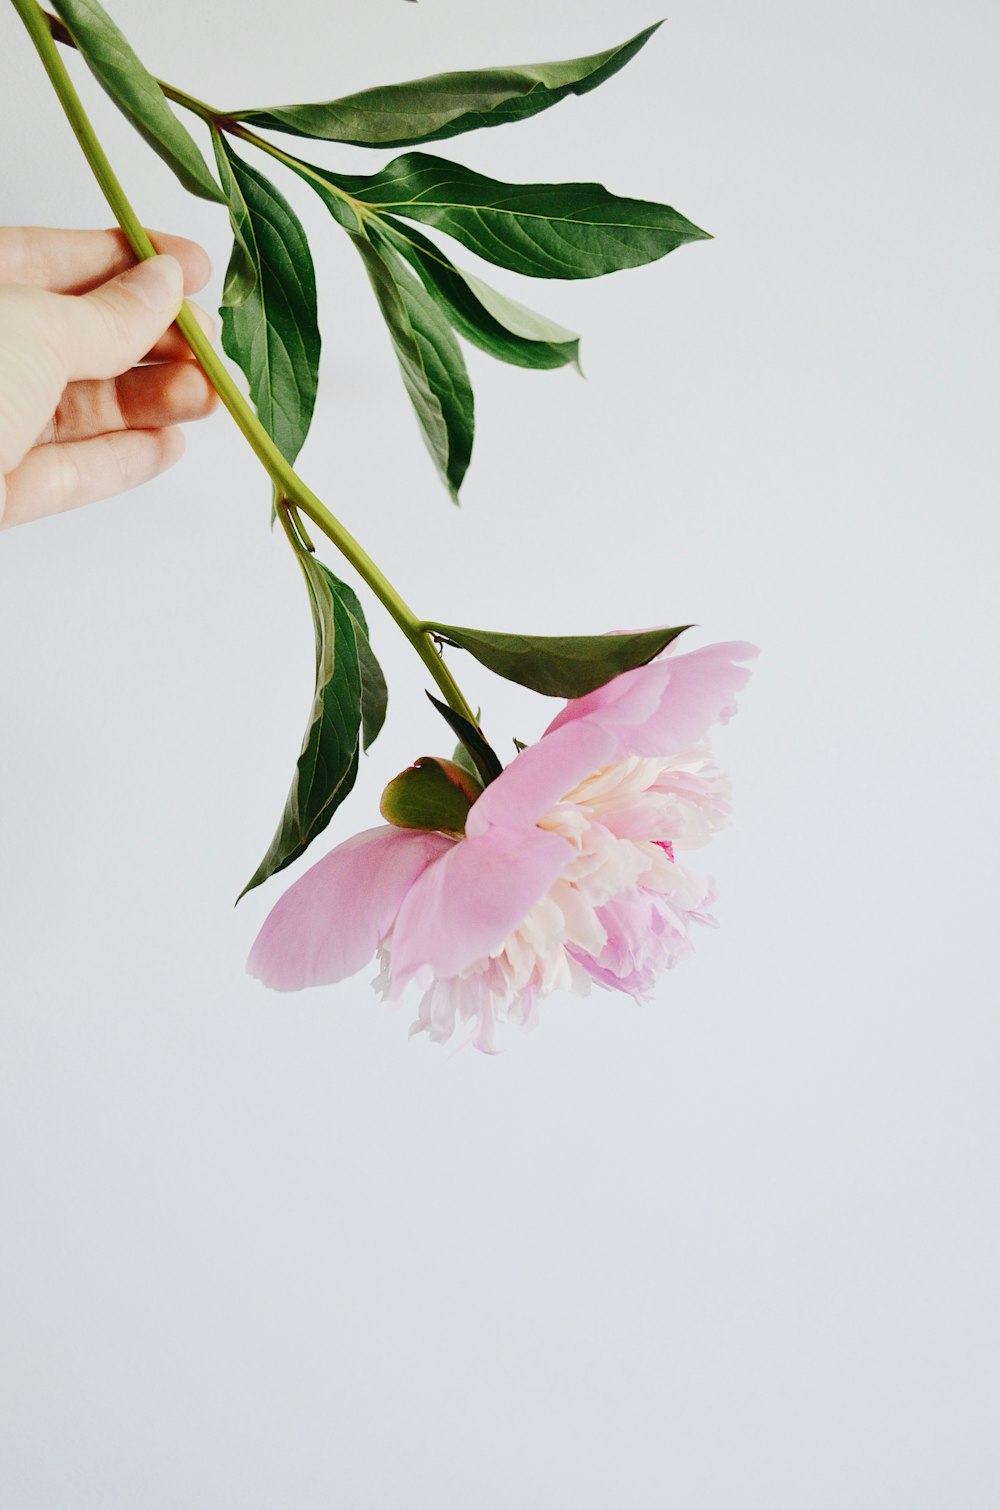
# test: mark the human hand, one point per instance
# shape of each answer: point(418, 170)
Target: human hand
point(94, 377)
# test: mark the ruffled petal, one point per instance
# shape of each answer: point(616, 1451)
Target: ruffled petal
point(541, 777)
point(462, 909)
point(332, 920)
point(662, 708)
point(629, 699)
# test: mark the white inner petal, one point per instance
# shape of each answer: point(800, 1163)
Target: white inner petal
point(619, 911)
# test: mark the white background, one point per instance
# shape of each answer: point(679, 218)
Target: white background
point(737, 1249)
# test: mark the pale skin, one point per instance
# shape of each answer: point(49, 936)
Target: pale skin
point(95, 381)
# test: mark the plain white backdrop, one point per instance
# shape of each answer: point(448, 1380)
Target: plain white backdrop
point(739, 1248)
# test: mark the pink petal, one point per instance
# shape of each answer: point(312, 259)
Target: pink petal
point(331, 921)
point(540, 777)
point(667, 705)
point(631, 698)
point(462, 909)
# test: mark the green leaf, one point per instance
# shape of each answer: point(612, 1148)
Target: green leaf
point(430, 109)
point(541, 230)
point(241, 278)
point(462, 758)
point(136, 93)
point(496, 324)
point(432, 794)
point(374, 692)
point(328, 763)
point(241, 273)
point(429, 358)
point(559, 665)
point(483, 757)
point(272, 331)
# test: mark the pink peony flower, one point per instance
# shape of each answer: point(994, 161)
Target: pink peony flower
point(567, 873)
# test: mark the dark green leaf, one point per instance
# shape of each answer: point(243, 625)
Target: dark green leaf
point(483, 757)
point(136, 93)
point(374, 692)
point(488, 319)
point(559, 665)
point(272, 333)
point(432, 794)
point(429, 358)
point(426, 110)
point(542, 230)
point(328, 763)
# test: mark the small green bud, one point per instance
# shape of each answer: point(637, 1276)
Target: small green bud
point(432, 794)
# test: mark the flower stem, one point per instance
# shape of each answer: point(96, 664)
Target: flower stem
point(287, 483)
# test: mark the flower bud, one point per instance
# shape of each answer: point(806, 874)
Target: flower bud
point(432, 794)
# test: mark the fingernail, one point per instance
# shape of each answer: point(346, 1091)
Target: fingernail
point(158, 282)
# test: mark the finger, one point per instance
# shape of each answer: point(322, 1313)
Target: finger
point(103, 333)
point(48, 340)
point(172, 346)
point(145, 398)
point(74, 262)
point(52, 479)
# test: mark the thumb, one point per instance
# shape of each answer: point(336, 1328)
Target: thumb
point(105, 332)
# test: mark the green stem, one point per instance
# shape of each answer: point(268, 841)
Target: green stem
point(286, 480)
point(304, 170)
point(291, 527)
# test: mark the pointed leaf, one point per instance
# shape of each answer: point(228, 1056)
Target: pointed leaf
point(541, 230)
point(429, 358)
point(446, 104)
point(374, 692)
point(272, 333)
point(136, 93)
point(483, 757)
point(494, 323)
point(559, 665)
point(328, 763)
point(432, 794)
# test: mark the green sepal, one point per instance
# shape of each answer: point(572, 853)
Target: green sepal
point(559, 665)
point(567, 230)
point(432, 794)
point(136, 93)
point(482, 756)
point(269, 325)
point(327, 766)
point(446, 104)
